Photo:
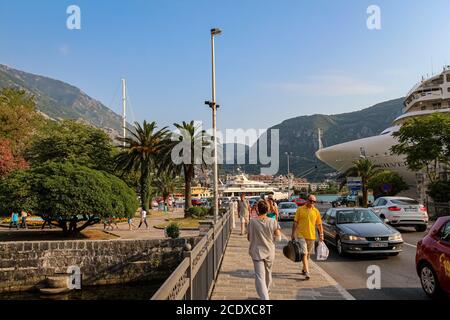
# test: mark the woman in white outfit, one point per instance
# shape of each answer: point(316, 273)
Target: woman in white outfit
point(262, 231)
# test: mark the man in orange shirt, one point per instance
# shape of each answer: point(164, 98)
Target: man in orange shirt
point(307, 218)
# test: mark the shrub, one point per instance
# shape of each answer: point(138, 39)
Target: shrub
point(196, 212)
point(439, 191)
point(173, 230)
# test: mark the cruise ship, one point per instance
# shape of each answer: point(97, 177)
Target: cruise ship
point(426, 97)
point(236, 185)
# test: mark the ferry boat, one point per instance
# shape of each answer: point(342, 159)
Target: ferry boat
point(426, 97)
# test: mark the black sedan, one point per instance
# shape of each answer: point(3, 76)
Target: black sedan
point(360, 231)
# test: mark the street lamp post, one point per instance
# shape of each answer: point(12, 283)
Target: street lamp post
point(212, 104)
point(289, 174)
point(288, 154)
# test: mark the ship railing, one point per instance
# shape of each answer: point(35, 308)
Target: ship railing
point(195, 277)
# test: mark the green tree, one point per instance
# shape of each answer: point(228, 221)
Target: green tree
point(439, 191)
point(19, 119)
point(387, 183)
point(425, 141)
point(68, 195)
point(71, 141)
point(188, 146)
point(144, 145)
point(166, 183)
point(365, 169)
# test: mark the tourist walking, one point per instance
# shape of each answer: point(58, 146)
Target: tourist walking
point(261, 233)
point(273, 207)
point(131, 226)
point(24, 216)
point(307, 218)
point(244, 213)
point(14, 220)
point(143, 218)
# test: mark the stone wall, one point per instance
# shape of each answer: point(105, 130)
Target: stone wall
point(23, 265)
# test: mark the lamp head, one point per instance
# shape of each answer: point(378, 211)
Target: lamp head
point(216, 31)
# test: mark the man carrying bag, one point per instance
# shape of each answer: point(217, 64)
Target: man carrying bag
point(307, 218)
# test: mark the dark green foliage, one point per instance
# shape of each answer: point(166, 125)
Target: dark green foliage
point(426, 142)
point(386, 177)
point(439, 191)
point(196, 212)
point(64, 192)
point(173, 230)
point(71, 141)
point(144, 145)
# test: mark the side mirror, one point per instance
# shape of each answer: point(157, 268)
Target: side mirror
point(332, 222)
point(386, 220)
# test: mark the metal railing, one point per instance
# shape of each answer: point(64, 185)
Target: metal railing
point(194, 278)
point(439, 209)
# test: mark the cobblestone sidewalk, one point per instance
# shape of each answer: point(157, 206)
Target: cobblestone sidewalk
point(236, 278)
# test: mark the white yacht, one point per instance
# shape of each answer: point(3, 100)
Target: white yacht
point(236, 185)
point(428, 96)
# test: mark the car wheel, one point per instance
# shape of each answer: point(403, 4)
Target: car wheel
point(421, 228)
point(339, 247)
point(429, 281)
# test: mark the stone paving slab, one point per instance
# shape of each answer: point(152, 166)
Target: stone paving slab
point(236, 278)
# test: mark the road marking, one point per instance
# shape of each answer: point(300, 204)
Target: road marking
point(408, 244)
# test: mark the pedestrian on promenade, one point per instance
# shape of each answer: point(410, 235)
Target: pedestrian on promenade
point(244, 213)
point(143, 218)
point(131, 226)
point(273, 208)
point(307, 218)
point(261, 233)
point(24, 216)
point(113, 222)
point(14, 220)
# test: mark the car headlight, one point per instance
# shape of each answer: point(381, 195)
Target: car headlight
point(396, 237)
point(354, 238)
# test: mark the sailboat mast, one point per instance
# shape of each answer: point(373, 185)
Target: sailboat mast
point(124, 109)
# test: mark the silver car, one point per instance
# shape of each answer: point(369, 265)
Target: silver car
point(287, 210)
point(402, 212)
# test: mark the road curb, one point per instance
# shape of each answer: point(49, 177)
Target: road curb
point(329, 278)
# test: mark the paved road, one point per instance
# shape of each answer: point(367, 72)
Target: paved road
point(398, 275)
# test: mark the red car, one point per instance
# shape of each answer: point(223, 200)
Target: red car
point(299, 202)
point(433, 259)
point(196, 202)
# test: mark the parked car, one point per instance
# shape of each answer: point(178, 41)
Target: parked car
point(433, 259)
point(287, 210)
point(360, 231)
point(299, 202)
point(402, 212)
point(196, 202)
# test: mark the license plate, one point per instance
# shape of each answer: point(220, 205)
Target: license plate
point(379, 244)
point(410, 209)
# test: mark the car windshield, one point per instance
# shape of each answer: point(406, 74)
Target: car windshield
point(404, 201)
point(356, 216)
point(288, 206)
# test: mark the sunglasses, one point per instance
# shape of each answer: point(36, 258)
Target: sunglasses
point(312, 201)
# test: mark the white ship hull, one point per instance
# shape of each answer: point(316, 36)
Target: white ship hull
point(377, 149)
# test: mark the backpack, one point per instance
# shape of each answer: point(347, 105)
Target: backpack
point(293, 251)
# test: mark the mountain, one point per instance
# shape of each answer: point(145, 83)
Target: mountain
point(60, 100)
point(300, 135)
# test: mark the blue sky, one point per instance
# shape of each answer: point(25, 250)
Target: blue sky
point(275, 59)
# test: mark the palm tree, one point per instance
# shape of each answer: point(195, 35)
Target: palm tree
point(365, 169)
point(166, 183)
point(188, 146)
point(144, 145)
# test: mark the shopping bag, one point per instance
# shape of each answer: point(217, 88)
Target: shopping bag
point(293, 251)
point(322, 251)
